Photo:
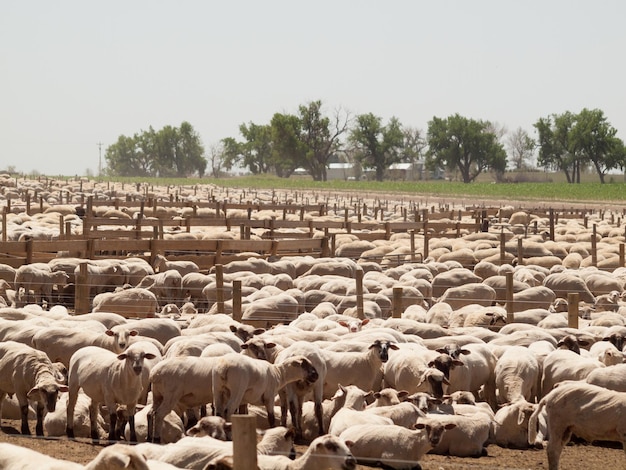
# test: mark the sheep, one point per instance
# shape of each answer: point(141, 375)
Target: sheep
point(106, 378)
point(55, 423)
point(40, 281)
point(246, 380)
point(606, 353)
point(402, 414)
point(469, 435)
point(61, 343)
point(133, 302)
point(29, 374)
point(394, 447)
point(388, 396)
point(172, 429)
point(349, 396)
point(179, 384)
point(612, 377)
point(197, 452)
point(326, 451)
point(517, 375)
point(510, 424)
point(161, 329)
point(564, 364)
point(347, 417)
point(212, 426)
point(362, 369)
point(16, 457)
point(408, 370)
point(161, 264)
point(166, 285)
point(590, 412)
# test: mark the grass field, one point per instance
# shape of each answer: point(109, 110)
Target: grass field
point(544, 187)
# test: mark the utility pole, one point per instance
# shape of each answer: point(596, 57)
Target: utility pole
point(99, 144)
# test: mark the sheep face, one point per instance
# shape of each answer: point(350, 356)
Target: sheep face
point(434, 430)
point(121, 337)
point(334, 448)
point(47, 394)
point(213, 426)
point(616, 340)
point(135, 359)
point(383, 348)
point(572, 343)
point(310, 372)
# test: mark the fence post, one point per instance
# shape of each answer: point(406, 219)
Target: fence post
point(237, 300)
point(397, 303)
point(244, 442)
point(594, 247)
point(572, 309)
point(359, 294)
point(81, 291)
point(219, 293)
point(510, 316)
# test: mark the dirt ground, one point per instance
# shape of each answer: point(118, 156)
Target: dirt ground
point(575, 457)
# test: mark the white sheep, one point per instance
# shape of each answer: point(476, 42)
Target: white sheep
point(135, 302)
point(395, 447)
point(401, 414)
point(161, 264)
point(239, 379)
point(363, 369)
point(468, 436)
point(517, 375)
point(590, 412)
point(179, 383)
point(40, 281)
point(106, 378)
point(61, 343)
point(347, 417)
point(29, 374)
point(510, 424)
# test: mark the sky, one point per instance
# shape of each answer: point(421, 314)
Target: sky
point(74, 74)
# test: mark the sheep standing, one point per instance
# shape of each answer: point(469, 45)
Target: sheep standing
point(246, 380)
point(590, 412)
point(29, 374)
point(106, 378)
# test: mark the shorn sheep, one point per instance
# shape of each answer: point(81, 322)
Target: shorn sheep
point(29, 374)
point(106, 378)
point(590, 412)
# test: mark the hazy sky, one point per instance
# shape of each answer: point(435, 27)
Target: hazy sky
point(75, 73)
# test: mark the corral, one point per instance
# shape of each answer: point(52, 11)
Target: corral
point(418, 273)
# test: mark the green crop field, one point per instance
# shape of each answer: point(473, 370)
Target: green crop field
point(546, 191)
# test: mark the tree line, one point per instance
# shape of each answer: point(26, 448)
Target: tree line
point(312, 139)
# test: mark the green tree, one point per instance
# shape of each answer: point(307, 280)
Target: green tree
point(556, 150)
point(596, 143)
point(169, 152)
point(289, 149)
point(464, 144)
point(378, 146)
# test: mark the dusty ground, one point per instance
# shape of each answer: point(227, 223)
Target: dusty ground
point(578, 457)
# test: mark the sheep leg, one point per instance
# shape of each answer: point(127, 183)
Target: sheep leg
point(112, 423)
point(39, 425)
point(24, 413)
point(283, 406)
point(131, 424)
point(319, 414)
point(557, 441)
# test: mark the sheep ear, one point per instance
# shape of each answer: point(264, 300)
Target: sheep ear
point(349, 443)
point(365, 322)
point(270, 345)
point(258, 331)
point(377, 395)
point(133, 332)
point(520, 417)
point(291, 433)
point(393, 346)
point(456, 362)
point(449, 426)
point(244, 346)
point(419, 426)
point(109, 333)
point(402, 394)
point(464, 351)
point(233, 328)
point(150, 356)
point(343, 323)
point(442, 350)
point(31, 394)
point(122, 356)
point(63, 388)
point(582, 342)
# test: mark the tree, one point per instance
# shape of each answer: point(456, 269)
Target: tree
point(595, 142)
point(289, 149)
point(378, 146)
point(521, 148)
point(555, 148)
point(320, 137)
point(464, 144)
point(569, 142)
point(169, 152)
point(257, 148)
